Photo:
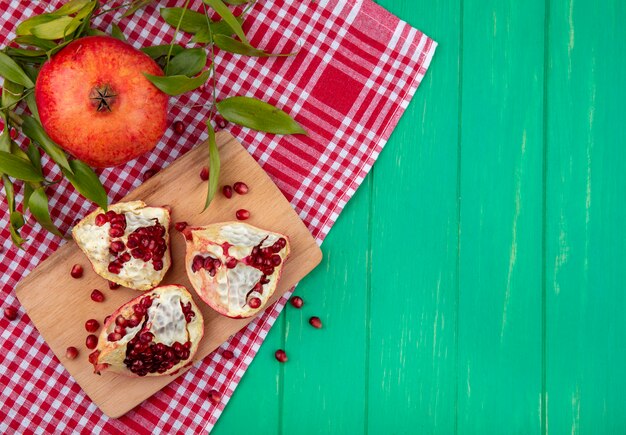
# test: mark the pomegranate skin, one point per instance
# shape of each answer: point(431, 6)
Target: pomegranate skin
point(131, 123)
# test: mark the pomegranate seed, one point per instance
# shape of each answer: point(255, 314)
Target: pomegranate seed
point(180, 226)
point(231, 262)
point(315, 322)
point(92, 325)
point(179, 127)
point(281, 355)
point(114, 336)
point(91, 341)
point(228, 354)
point(97, 296)
point(215, 397)
point(204, 173)
point(254, 303)
point(242, 214)
point(77, 271)
point(10, 313)
point(71, 352)
point(100, 220)
point(149, 174)
point(116, 232)
point(297, 302)
point(120, 320)
point(240, 187)
point(227, 191)
point(220, 122)
point(113, 285)
point(13, 133)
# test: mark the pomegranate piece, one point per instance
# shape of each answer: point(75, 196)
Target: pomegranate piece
point(128, 245)
point(204, 174)
point(97, 296)
point(77, 271)
point(180, 226)
point(315, 322)
point(227, 191)
point(71, 352)
point(234, 267)
point(155, 334)
point(281, 355)
point(242, 214)
point(297, 302)
point(240, 187)
point(10, 313)
point(92, 325)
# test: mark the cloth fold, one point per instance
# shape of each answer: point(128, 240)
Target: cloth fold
point(356, 69)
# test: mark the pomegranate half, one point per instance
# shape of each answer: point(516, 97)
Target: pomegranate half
point(235, 267)
point(95, 102)
point(155, 334)
point(128, 245)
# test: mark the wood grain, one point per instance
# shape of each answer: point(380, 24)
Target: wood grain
point(59, 305)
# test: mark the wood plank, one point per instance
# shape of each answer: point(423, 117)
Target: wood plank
point(500, 293)
point(586, 245)
point(412, 328)
point(116, 394)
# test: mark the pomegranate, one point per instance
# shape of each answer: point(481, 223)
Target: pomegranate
point(234, 267)
point(128, 245)
point(95, 102)
point(155, 334)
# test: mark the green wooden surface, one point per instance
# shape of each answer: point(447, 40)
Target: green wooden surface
point(475, 282)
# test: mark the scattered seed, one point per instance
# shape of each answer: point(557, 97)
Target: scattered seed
point(242, 214)
point(215, 397)
point(281, 355)
point(227, 191)
point(97, 296)
point(71, 352)
point(91, 341)
point(240, 187)
point(228, 354)
point(149, 174)
point(180, 226)
point(92, 325)
point(10, 313)
point(179, 127)
point(315, 322)
point(204, 173)
point(113, 285)
point(77, 271)
point(297, 302)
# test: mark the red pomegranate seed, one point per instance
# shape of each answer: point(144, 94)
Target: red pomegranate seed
point(13, 133)
point(220, 122)
point(92, 325)
point(315, 322)
point(204, 173)
point(281, 355)
point(149, 174)
point(254, 303)
point(227, 191)
point(240, 187)
point(228, 354)
point(179, 127)
point(113, 285)
point(180, 226)
point(97, 296)
point(77, 271)
point(231, 262)
point(10, 313)
point(242, 214)
point(297, 302)
point(91, 341)
point(215, 397)
point(71, 352)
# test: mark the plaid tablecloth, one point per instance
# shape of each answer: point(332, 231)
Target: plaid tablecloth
point(356, 71)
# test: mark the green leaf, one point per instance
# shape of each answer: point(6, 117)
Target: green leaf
point(189, 62)
point(71, 7)
point(10, 70)
point(220, 27)
point(231, 45)
point(35, 158)
point(258, 115)
point(25, 52)
point(38, 205)
point(176, 85)
point(157, 51)
point(33, 129)
point(11, 94)
point(5, 141)
point(8, 189)
point(55, 29)
point(17, 152)
point(95, 32)
point(227, 15)
point(135, 6)
point(32, 105)
point(192, 22)
point(25, 27)
point(33, 41)
point(85, 180)
point(28, 191)
point(116, 32)
point(18, 168)
point(214, 166)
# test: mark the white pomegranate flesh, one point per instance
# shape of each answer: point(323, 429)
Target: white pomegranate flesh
point(234, 267)
point(128, 244)
point(155, 334)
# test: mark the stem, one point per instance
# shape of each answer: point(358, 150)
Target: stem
point(169, 52)
point(106, 11)
point(212, 57)
point(24, 95)
point(16, 119)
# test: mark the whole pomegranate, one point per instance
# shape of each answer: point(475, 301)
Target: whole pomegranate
point(94, 101)
point(234, 267)
point(127, 245)
point(155, 334)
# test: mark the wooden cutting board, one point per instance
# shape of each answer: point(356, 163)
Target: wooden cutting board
point(59, 305)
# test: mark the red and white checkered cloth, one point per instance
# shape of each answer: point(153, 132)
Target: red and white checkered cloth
point(357, 68)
